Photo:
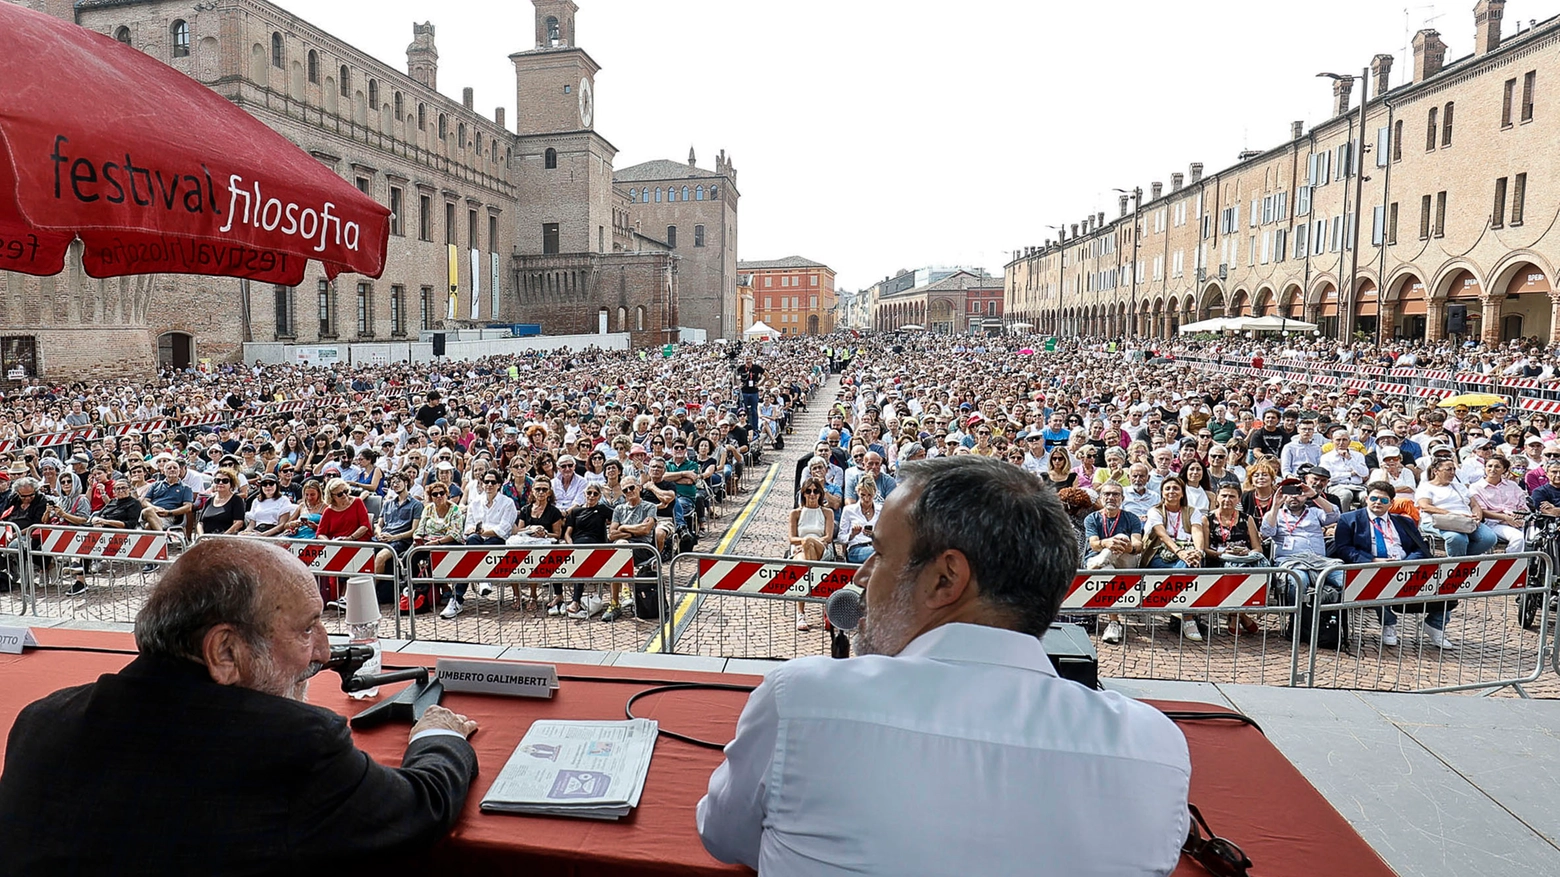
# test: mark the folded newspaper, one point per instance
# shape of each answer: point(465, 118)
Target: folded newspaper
point(590, 769)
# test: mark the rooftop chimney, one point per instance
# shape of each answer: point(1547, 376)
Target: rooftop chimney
point(1297, 127)
point(1381, 72)
point(1099, 219)
point(498, 116)
point(422, 58)
point(1156, 189)
point(467, 98)
point(1196, 170)
point(1075, 229)
point(1177, 180)
point(1486, 21)
point(1429, 54)
point(1122, 201)
point(1343, 89)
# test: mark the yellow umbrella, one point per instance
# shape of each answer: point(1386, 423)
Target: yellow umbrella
point(1473, 400)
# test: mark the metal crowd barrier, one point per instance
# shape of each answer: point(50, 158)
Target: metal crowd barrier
point(330, 559)
point(1141, 598)
point(745, 607)
point(13, 560)
point(1493, 652)
point(487, 618)
point(117, 567)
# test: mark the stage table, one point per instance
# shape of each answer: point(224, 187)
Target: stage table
point(1245, 788)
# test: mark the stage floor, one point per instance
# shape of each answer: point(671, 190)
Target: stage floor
point(1436, 784)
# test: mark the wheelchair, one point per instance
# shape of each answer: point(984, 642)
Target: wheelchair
point(1542, 534)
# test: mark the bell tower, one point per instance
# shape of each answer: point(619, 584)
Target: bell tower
point(554, 23)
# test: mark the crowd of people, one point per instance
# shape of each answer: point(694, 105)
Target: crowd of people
point(583, 448)
point(1160, 463)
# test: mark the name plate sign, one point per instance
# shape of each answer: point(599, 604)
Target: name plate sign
point(12, 639)
point(497, 677)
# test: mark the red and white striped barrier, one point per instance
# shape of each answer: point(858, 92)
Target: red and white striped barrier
point(1542, 406)
point(64, 438)
point(1522, 383)
point(539, 562)
point(7, 445)
point(1392, 582)
point(111, 544)
point(202, 419)
point(325, 557)
point(798, 579)
point(1474, 378)
point(1433, 393)
point(1230, 590)
point(1435, 375)
point(140, 426)
point(1396, 389)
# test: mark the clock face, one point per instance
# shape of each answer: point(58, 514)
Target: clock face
point(587, 103)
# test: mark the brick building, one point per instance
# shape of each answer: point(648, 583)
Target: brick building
point(529, 219)
point(694, 212)
point(1454, 230)
point(795, 296)
point(955, 304)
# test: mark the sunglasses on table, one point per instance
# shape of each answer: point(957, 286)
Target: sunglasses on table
point(1218, 856)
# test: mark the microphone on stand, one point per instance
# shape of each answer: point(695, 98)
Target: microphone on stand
point(844, 611)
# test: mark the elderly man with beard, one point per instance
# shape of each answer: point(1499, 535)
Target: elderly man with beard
point(200, 756)
point(951, 700)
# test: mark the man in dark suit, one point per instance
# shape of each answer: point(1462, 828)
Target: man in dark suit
point(1371, 535)
point(200, 756)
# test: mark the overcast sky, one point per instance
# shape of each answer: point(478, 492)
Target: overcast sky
point(878, 135)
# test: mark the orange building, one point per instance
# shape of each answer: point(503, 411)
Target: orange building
point(795, 296)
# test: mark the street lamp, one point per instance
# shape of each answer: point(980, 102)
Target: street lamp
point(1137, 210)
point(1357, 158)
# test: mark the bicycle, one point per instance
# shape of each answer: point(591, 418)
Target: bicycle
point(1542, 534)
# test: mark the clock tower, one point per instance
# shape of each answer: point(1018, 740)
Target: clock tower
point(564, 166)
point(555, 82)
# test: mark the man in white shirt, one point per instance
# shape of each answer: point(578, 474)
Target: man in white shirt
point(924, 755)
point(490, 518)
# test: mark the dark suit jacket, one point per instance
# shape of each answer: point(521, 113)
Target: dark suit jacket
point(1354, 541)
point(159, 770)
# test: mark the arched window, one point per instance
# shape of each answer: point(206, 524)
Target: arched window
point(422, 117)
point(123, 35)
point(398, 101)
point(622, 319)
point(685, 193)
point(460, 135)
point(373, 95)
point(314, 67)
point(1431, 129)
point(658, 194)
point(346, 81)
point(508, 154)
point(278, 57)
point(671, 236)
point(671, 194)
point(479, 144)
point(714, 192)
point(698, 193)
point(550, 158)
point(639, 318)
point(444, 127)
point(1446, 124)
point(180, 32)
point(644, 195)
point(554, 35)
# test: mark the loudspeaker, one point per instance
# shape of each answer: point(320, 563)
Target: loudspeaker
point(1457, 319)
point(438, 344)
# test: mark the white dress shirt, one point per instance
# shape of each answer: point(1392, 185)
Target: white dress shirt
point(500, 515)
point(965, 754)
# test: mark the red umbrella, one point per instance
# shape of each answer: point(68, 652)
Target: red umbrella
point(156, 173)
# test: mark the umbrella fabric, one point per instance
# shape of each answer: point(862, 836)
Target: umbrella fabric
point(1473, 400)
point(1027, 351)
point(156, 173)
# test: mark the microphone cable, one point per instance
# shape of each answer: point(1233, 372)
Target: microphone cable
point(628, 708)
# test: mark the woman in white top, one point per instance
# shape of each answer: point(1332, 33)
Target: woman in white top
point(857, 521)
point(812, 527)
point(1440, 494)
point(268, 509)
point(1178, 537)
point(1392, 469)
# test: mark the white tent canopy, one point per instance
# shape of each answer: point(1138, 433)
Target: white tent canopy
point(1216, 324)
point(760, 329)
point(912, 327)
point(1273, 323)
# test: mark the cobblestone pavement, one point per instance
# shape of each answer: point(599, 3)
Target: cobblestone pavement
point(755, 626)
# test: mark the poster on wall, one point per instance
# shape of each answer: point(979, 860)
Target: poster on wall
point(476, 285)
point(326, 356)
point(493, 286)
